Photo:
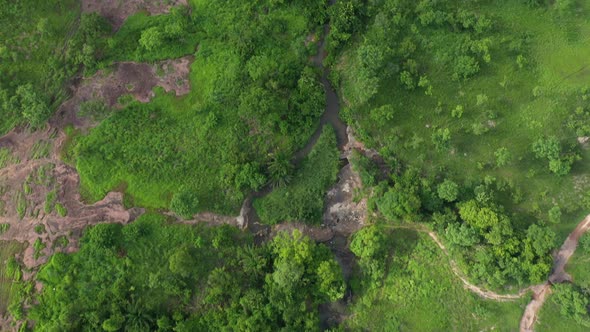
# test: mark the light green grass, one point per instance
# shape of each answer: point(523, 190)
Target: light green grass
point(557, 49)
point(420, 293)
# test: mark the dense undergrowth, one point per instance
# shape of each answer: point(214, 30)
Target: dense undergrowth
point(302, 198)
point(168, 277)
point(35, 60)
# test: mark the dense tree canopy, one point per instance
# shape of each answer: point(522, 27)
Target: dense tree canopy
point(153, 276)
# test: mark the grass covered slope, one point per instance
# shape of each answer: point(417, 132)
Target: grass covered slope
point(302, 198)
point(161, 276)
point(253, 96)
point(471, 107)
point(469, 95)
point(405, 283)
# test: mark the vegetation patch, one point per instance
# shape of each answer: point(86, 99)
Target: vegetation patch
point(481, 132)
point(302, 199)
point(252, 98)
point(10, 272)
point(405, 280)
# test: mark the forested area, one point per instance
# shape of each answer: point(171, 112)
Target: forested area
point(156, 276)
point(468, 122)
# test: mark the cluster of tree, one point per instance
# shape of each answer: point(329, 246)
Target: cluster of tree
point(156, 37)
point(491, 248)
point(369, 245)
point(26, 103)
point(550, 148)
point(579, 120)
point(88, 45)
point(398, 30)
point(573, 302)
point(162, 277)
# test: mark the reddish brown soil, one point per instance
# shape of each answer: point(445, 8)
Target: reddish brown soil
point(136, 79)
point(65, 181)
point(117, 11)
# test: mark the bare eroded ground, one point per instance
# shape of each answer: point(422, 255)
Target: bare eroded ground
point(126, 78)
point(25, 187)
point(117, 11)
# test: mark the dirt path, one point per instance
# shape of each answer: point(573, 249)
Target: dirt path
point(558, 275)
point(540, 292)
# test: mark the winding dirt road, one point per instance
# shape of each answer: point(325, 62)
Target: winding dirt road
point(539, 292)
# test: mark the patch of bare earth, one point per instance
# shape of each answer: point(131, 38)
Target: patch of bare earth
point(117, 11)
point(125, 78)
point(25, 189)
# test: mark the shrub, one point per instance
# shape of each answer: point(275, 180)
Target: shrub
point(448, 190)
point(185, 204)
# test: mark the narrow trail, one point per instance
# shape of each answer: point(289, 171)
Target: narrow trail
point(539, 292)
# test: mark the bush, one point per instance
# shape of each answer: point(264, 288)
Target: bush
point(448, 190)
point(4, 227)
point(572, 302)
point(185, 204)
point(61, 210)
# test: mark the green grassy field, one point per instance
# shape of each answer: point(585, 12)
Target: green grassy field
point(467, 97)
point(420, 293)
point(511, 116)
